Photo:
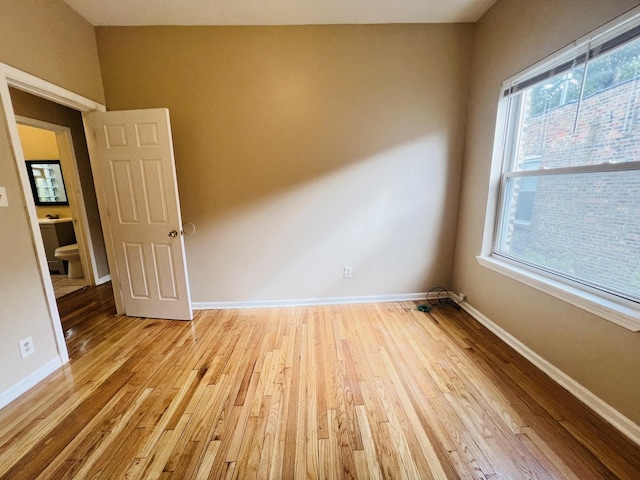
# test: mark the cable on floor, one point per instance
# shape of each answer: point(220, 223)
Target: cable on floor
point(436, 297)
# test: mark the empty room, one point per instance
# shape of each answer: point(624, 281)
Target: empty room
point(320, 239)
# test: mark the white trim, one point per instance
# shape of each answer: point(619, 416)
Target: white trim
point(619, 311)
point(105, 279)
point(41, 88)
point(307, 302)
point(78, 210)
point(595, 403)
point(29, 381)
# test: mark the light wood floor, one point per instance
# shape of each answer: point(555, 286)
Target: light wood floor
point(63, 285)
point(364, 391)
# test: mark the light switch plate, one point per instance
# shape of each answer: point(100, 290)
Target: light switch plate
point(3, 197)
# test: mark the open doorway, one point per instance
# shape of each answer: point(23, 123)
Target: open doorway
point(67, 127)
point(24, 95)
point(50, 167)
point(36, 114)
point(32, 297)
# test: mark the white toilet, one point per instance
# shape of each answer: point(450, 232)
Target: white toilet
point(70, 254)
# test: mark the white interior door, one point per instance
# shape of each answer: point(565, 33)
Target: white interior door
point(136, 174)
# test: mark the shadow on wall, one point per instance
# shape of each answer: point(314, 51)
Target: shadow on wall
point(303, 149)
point(388, 213)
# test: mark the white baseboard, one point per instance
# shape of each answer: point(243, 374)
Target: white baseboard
point(29, 381)
point(307, 302)
point(105, 279)
point(606, 411)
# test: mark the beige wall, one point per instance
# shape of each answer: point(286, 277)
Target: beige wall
point(38, 144)
point(601, 356)
point(301, 150)
point(46, 38)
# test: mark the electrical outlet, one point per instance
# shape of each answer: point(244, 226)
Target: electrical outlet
point(26, 347)
point(462, 297)
point(347, 272)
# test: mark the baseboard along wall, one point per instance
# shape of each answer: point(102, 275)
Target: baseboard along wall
point(627, 427)
point(308, 302)
point(29, 381)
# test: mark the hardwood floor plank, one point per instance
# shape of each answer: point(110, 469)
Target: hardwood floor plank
point(243, 455)
point(44, 452)
point(293, 387)
point(156, 462)
point(606, 451)
point(252, 458)
point(311, 392)
point(557, 467)
point(355, 391)
point(368, 454)
point(108, 424)
point(242, 431)
point(329, 359)
point(320, 355)
point(404, 422)
point(207, 461)
point(454, 436)
point(279, 444)
point(269, 439)
point(224, 431)
point(332, 467)
point(390, 463)
point(24, 436)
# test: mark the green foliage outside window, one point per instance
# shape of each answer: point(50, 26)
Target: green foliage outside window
point(606, 71)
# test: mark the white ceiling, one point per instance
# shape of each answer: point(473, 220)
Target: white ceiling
point(277, 12)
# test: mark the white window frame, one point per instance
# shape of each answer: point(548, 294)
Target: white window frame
point(623, 312)
point(526, 163)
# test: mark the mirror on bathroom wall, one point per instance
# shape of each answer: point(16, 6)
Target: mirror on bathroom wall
point(47, 183)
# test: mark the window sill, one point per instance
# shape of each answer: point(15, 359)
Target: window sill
point(622, 313)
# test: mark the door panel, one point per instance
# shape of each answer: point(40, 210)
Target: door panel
point(125, 197)
point(136, 270)
point(167, 282)
point(137, 170)
point(155, 195)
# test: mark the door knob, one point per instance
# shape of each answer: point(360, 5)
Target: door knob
point(173, 234)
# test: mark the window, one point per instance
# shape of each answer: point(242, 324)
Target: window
point(47, 183)
point(569, 201)
point(524, 192)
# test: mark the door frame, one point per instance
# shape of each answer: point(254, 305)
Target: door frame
point(13, 77)
point(74, 191)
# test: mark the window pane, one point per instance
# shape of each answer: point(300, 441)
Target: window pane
point(585, 226)
point(606, 128)
point(524, 205)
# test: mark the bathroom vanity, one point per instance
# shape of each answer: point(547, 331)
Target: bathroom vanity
point(56, 232)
